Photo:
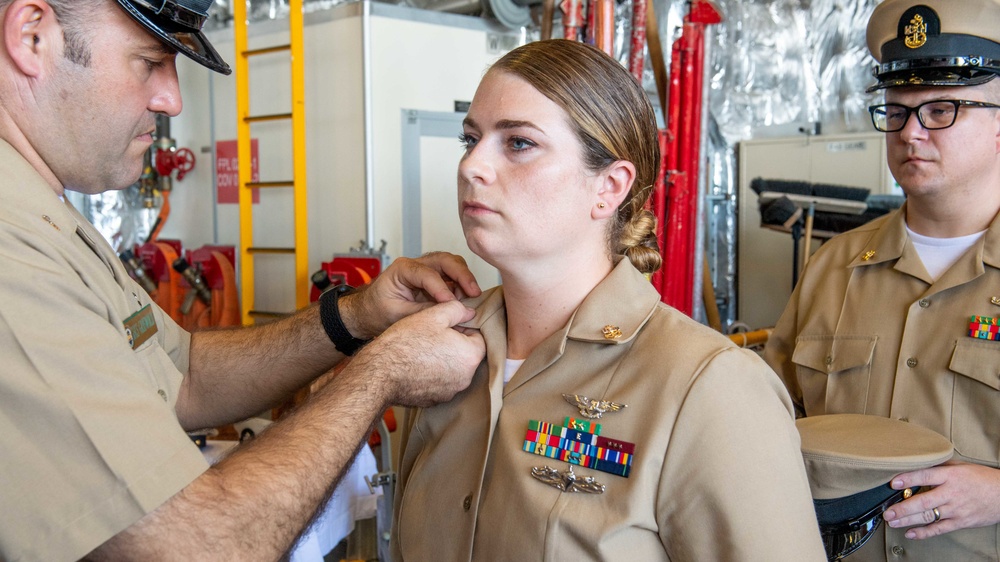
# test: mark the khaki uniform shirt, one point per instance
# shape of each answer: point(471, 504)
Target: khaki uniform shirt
point(867, 331)
point(717, 473)
point(89, 441)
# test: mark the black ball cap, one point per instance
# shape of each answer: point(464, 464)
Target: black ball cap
point(178, 23)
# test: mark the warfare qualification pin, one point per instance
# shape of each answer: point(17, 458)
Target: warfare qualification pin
point(567, 481)
point(593, 409)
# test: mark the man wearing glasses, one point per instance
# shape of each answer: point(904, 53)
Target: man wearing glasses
point(899, 318)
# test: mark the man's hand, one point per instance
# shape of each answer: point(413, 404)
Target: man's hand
point(965, 495)
point(405, 287)
point(421, 360)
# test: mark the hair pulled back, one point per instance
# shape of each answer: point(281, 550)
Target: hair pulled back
point(614, 121)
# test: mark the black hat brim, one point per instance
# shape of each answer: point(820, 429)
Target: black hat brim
point(846, 524)
point(936, 76)
point(191, 42)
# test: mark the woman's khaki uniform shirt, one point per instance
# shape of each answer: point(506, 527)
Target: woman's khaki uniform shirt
point(89, 438)
point(716, 474)
point(868, 331)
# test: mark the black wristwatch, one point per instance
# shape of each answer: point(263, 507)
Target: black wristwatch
point(329, 314)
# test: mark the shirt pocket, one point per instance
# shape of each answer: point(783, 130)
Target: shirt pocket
point(833, 372)
point(975, 409)
point(161, 373)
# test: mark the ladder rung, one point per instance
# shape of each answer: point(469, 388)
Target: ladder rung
point(271, 117)
point(269, 314)
point(254, 250)
point(286, 183)
point(266, 50)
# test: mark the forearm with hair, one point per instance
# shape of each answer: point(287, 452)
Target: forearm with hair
point(237, 373)
point(253, 504)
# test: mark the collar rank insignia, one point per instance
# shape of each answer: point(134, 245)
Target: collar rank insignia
point(567, 481)
point(580, 447)
point(984, 328)
point(593, 409)
point(611, 332)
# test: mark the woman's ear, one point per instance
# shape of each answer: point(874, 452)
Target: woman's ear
point(616, 183)
point(30, 32)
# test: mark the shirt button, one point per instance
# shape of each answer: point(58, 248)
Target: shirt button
point(828, 360)
point(467, 503)
point(897, 550)
point(162, 394)
point(924, 303)
point(911, 362)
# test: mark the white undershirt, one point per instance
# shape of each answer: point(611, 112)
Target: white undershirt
point(939, 254)
point(511, 367)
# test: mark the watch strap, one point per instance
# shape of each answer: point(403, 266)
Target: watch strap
point(329, 314)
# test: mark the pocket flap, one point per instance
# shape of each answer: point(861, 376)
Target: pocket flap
point(978, 360)
point(830, 354)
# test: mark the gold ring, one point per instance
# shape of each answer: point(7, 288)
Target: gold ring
point(937, 515)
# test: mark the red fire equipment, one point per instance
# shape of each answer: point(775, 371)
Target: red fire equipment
point(636, 61)
point(212, 266)
point(215, 266)
point(182, 160)
point(683, 156)
point(573, 21)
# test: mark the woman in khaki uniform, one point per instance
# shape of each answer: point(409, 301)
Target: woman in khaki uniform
point(603, 425)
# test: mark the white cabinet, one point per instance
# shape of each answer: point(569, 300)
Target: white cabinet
point(764, 257)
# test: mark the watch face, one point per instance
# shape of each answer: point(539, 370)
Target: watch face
point(341, 289)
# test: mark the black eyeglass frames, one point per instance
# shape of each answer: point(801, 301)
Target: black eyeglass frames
point(933, 115)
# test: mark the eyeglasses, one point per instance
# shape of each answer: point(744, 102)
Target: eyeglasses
point(933, 115)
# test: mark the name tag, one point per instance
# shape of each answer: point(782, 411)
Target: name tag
point(140, 326)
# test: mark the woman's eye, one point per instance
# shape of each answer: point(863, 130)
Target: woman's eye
point(518, 143)
point(467, 141)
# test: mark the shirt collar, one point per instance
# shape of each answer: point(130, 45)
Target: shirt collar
point(601, 308)
point(622, 302)
point(891, 242)
point(25, 191)
point(887, 243)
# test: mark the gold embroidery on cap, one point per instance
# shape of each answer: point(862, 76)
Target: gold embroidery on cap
point(916, 32)
point(868, 255)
